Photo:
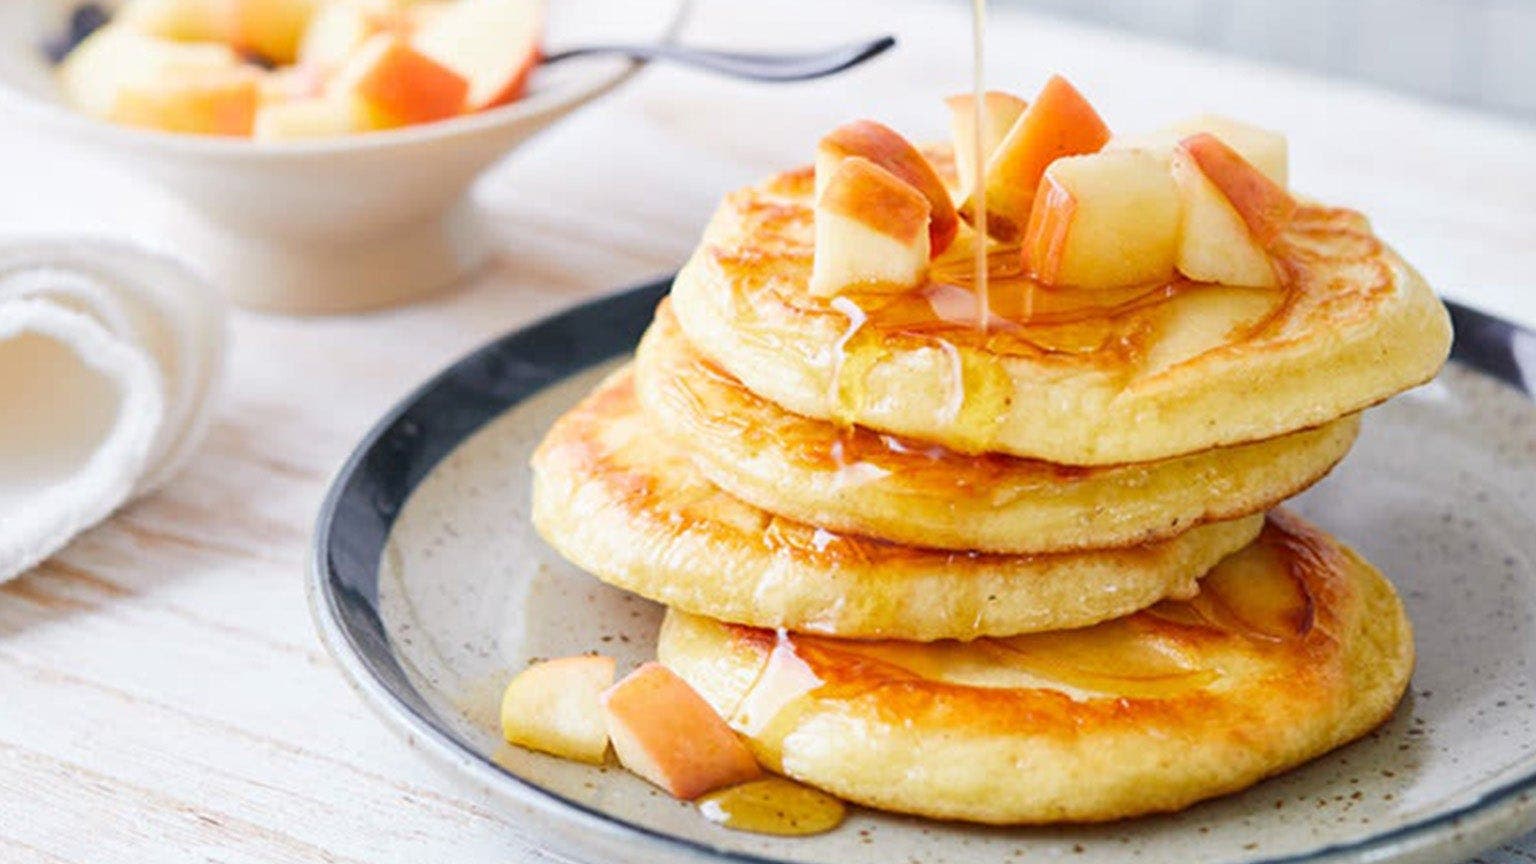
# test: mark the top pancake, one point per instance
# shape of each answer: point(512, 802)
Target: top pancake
point(1071, 377)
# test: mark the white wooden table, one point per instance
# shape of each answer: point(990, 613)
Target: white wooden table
point(163, 696)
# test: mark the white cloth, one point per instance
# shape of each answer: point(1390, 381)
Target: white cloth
point(109, 358)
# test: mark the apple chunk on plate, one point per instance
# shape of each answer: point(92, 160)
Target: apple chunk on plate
point(887, 149)
point(1059, 123)
point(554, 707)
point(393, 84)
point(665, 732)
point(1106, 220)
point(871, 232)
point(1232, 214)
point(999, 111)
point(492, 44)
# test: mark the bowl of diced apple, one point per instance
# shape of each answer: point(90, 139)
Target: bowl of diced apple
point(325, 147)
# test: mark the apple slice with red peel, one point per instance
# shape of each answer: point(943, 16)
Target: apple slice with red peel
point(886, 148)
point(665, 732)
point(1105, 220)
point(1215, 243)
point(1058, 123)
point(493, 44)
point(555, 707)
point(871, 232)
point(999, 111)
point(1264, 206)
point(393, 84)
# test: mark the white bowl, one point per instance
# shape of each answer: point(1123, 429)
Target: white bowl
point(338, 224)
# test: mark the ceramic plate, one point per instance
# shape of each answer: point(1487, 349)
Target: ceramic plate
point(430, 588)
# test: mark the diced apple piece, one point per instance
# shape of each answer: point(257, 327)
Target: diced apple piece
point(999, 111)
point(871, 232)
point(222, 103)
point(1231, 214)
point(555, 707)
point(1059, 123)
point(396, 85)
point(665, 732)
point(1265, 207)
point(1266, 150)
point(887, 149)
point(492, 44)
point(335, 32)
point(272, 28)
point(1214, 243)
point(1107, 220)
point(115, 56)
point(180, 20)
point(298, 119)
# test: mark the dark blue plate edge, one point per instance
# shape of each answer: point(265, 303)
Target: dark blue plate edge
point(504, 373)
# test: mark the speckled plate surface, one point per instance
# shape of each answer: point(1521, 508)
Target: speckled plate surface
point(430, 587)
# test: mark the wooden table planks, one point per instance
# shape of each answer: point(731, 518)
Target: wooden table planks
point(163, 696)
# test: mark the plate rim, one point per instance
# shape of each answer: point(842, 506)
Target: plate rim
point(1483, 342)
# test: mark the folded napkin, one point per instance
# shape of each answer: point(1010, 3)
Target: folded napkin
point(109, 357)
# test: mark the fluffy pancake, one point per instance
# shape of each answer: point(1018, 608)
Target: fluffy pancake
point(1071, 377)
point(862, 482)
point(616, 498)
point(1293, 647)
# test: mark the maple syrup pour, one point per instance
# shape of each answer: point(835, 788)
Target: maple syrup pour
point(773, 805)
point(983, 296)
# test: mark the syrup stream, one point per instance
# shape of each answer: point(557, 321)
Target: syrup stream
point(978, 195)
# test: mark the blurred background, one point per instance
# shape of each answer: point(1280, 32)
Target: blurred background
point(1480, 53)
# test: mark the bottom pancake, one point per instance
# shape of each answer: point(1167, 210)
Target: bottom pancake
point(620, 500)
point(1294, 646)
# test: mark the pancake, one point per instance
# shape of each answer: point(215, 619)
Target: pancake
point(857, 481)
point(1293, 647)
point(1071, 377)
point(616, 498)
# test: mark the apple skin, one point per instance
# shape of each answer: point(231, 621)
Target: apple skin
point(1265, 207)
point(1104, 220)
point(493, 44)
point(555, 707)
point(1059, 122)
point(872, 232)
point(999, 111)
point(394, 85)
point(886, 148)
point(666, 733)
point(1214, 243)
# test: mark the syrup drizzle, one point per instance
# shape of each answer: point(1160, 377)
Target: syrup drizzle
point(978, 194)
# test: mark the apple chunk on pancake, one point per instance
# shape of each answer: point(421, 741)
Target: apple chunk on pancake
point(871, 231)
point(1107, 220)
point(1060, 122)
point(1232, 214)
point(887, 149)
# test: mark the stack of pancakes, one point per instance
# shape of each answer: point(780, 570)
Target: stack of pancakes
point(1020, 574)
